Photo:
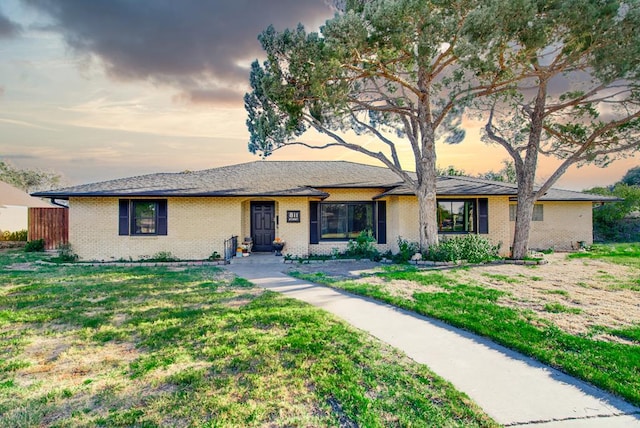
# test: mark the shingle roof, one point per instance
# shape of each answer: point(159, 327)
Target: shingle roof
point(290, 178)
point(465, 186)
point(260, 178)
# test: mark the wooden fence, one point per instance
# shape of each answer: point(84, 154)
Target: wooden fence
point(50, 224)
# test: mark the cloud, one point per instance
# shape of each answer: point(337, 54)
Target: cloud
point(219, 96)
point(25, 124)
point(197, 46)
point(8, 28)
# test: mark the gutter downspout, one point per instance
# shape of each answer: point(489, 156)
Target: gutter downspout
point(53, 201)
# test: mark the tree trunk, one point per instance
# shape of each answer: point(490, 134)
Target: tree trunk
point(425, 158)
point(426, 191)
point(526, 171)
point(428, 218)
point(524, 215)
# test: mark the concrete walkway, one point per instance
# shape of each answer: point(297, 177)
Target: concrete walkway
point(511, 388)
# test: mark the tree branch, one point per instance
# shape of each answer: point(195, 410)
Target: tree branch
point(515, 155)
point(339, 141)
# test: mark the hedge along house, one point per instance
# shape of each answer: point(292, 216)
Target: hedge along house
point(314, 207)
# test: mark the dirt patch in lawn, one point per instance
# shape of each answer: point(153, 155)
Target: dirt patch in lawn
point(574, 294)
point(22, 267)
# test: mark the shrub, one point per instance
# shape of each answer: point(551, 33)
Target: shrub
point(448, 250)
point(19, 235)
point(34, 246)
point(472, 248)
point(363, 246)
point(66, 254)
point(406, 250)
point(163, 256)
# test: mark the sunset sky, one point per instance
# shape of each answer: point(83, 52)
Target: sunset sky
point(96, 90)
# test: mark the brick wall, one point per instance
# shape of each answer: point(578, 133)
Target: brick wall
point(196, 227)
point(403, 221)
point(564, 225)
point(199, 226)
point(343, 195)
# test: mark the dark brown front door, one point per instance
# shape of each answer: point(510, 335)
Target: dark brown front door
point(263, 226)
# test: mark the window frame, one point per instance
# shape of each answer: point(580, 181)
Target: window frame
point(536, 215)
point(127, 217)
point(474, 220)
point(134, 219)
point(321, 220)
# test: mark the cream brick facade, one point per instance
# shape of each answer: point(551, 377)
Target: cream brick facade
point(344, 195)
point(402, 221)
point(198, 226)
point(564, 225)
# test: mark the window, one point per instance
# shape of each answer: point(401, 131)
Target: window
point(538, 212)
point(143, 217)
point(343, 221)
point(456, 216)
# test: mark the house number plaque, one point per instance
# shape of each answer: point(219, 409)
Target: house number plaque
point(293, 216)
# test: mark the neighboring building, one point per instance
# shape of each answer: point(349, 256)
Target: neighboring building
point(14, 205)
point(315, 207)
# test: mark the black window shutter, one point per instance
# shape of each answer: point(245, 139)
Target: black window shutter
point(313, 223)
point(123, 217)
point(162, 217)
point(382, 222)
point(483, 215)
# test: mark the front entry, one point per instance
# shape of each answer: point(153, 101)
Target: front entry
point(263, 225)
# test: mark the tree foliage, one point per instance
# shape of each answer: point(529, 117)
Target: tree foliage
point(611, 220)
point(450, 171)
point(507, 174)
point(578, 97)
point(632, 177)
point(379, 68)
point(29, 180)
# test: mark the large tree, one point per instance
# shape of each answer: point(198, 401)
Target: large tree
point(29, 180)
point(379, 67)
point(579, 96)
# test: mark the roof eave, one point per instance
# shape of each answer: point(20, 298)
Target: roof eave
point(66, 196)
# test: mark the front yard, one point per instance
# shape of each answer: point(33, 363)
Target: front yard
point(108, 346)
point(579, 313)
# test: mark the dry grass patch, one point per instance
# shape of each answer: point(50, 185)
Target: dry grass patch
point(592, 290)
point(400, 288)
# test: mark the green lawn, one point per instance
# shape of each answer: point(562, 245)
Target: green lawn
point(450, 297)
point(145, 347)
point(624, 254)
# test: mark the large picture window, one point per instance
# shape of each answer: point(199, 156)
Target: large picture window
point(342, 221)
point(143, 217)
point(457, 216)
